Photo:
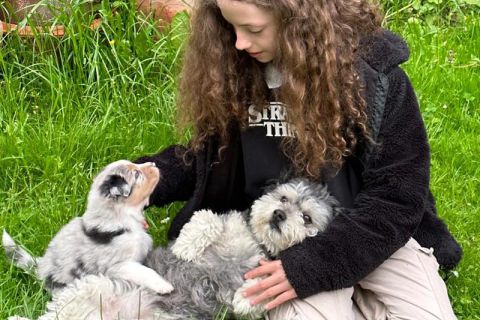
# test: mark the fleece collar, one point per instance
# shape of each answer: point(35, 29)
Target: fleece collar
point(383, 50)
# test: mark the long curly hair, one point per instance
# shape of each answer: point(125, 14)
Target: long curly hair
point(316, 57)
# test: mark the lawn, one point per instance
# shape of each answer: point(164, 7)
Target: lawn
point(69, 106)
point(445, 71)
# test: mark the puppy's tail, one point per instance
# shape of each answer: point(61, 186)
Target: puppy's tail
point(18, 255)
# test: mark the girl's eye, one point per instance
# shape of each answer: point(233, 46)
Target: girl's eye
point(255, 31)
point(307, 219)
point(283, 199)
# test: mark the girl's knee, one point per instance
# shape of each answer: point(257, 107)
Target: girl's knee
point(330, 305)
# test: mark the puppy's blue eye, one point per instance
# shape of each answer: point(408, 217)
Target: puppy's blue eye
point(307, 219)
point(137, 174)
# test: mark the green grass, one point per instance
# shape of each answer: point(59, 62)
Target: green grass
point(445, 71)
point(69, 106)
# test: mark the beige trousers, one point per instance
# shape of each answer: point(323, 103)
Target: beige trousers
point(406, 286)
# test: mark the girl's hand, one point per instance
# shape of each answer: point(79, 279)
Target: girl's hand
point(275, 285)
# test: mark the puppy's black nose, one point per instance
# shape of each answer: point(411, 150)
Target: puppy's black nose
point(279, 216)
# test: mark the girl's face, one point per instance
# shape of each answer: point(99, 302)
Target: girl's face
point(255, 28)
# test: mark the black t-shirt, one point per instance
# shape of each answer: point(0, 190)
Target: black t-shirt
point(263, 158)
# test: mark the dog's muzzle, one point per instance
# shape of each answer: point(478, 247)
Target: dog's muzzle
point(277, 218)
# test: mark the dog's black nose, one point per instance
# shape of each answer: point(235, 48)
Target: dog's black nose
point(279, 215)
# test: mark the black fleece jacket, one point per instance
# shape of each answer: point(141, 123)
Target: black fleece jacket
point(392, 204)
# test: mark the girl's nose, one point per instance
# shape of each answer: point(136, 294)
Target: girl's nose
point(242, 42)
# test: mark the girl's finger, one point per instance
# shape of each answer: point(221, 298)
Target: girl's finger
point(272, 292)
point(282, 298)
point(264, 284)
point(266, 268)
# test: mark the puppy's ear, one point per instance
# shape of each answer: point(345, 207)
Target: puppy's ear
point(271, 184)
point(246, 214)
point(115, 186)
point(337, 209)
point(286, 175)
point(321, 192)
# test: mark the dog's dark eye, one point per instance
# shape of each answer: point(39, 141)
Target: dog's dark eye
point(137, 174)
point(307, 219)
point(283, 199)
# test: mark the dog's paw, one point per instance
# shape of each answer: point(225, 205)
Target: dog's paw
point(200, 232)
point(242, 306)
point(161, 286)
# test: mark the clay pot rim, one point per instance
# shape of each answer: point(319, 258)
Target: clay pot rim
point(27, 31)
point(167, 13)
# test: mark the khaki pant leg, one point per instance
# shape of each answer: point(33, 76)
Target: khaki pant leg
point(409, 286)
point(367, 306)
point(331, 305)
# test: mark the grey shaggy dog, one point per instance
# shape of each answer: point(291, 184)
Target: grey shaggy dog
point(110, 238)
point(206, 263)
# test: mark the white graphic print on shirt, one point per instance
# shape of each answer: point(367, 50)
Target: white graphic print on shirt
point(272, 117)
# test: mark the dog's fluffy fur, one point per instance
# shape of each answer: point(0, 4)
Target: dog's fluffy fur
point(110, 238)
point(207, 261)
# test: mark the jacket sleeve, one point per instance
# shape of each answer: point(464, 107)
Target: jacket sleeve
point(386, 211)
point(177, 175)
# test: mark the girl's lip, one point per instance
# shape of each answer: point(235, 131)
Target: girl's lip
point(254, 53)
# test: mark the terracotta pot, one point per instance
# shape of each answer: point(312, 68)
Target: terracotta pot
point(163, 10)
point(13, 11)
point(27, 31)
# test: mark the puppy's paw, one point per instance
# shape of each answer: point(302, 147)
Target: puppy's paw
point(241, 305)
point(201, 231)
point(161, 286)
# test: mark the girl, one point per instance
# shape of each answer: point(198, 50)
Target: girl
point(313, 87)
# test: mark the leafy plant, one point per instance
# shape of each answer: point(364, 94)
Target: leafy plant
point(430, 11)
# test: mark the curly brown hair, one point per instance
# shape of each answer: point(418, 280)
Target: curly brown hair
point(316, 56)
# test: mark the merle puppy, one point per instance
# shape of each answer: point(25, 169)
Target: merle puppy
point(110, 238)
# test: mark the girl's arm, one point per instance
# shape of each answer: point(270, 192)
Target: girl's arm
point(386, 212)
point(177, 178)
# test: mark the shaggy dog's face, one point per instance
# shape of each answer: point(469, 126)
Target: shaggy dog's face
point(290, 212)
point(125, 183)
